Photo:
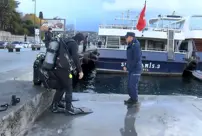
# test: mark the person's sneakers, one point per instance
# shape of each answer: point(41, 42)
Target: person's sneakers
point(128, 101)
point(131, 102)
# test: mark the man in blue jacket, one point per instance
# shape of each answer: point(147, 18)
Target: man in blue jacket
point(133, 66)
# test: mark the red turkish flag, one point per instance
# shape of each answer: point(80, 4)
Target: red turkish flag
point(142, 21)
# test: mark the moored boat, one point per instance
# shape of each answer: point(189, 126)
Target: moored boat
point(167, 46)
point(197, 74)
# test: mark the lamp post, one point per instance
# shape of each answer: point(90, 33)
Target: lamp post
point(34, 19)
point(40, 17)
point(34, 12)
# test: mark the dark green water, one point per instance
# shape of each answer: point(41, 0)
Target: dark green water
point(149, 85)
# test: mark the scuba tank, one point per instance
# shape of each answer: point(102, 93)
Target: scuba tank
point(51, 55)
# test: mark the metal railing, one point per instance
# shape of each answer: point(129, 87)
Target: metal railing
point(160, 29)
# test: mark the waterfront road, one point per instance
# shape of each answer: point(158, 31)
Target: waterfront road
point(156, 116)
point(17, 60)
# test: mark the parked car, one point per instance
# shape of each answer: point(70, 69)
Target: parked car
point(3, 44)
point(15, 44)
point(42, 44)
point(27, 45)
point(36, 46)
point(22, 44)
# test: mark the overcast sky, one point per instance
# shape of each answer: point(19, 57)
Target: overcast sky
point(88, 14)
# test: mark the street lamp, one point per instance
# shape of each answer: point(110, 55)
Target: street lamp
point(34, 12)
point(40, 17)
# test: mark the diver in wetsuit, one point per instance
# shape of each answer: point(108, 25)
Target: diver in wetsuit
point(85, 43)
point(64, 74)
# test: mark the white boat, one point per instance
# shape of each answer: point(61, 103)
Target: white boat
point(197, 74)
point(168, 43)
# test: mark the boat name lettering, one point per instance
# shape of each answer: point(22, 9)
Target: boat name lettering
point(145, 65)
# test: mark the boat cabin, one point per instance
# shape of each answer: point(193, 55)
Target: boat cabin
point(187, 34)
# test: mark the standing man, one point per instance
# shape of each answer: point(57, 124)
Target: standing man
point(48, 37)
point(133, 66)
point(85, 43)
point(99, 44)
point(64, 73)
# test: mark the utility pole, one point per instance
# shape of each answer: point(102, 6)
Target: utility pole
point(34, 19)
point(41, 17)
point(34, 12)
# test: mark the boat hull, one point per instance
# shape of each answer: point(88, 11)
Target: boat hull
point(197, 74)
point(149, 67)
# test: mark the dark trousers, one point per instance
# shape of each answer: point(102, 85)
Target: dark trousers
point(46, 45)
point(65, 81)
point(84, 48)
point(133, 82)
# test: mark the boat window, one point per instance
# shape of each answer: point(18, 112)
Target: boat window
point(142, 43)
point(165, 23)
point(184, 46)
point(156, 45)
point(177, 25)
point(123, 41)
point(195, 23)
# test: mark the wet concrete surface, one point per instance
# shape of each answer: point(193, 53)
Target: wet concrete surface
point(16, 77)
point(22, 87)
point(156, 116)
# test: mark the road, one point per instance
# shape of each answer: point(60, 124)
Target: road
point(12, 61)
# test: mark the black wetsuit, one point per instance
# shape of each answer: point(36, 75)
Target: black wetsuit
point(64, 74)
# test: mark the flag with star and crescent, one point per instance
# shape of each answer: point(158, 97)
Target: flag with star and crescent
point(141, 24)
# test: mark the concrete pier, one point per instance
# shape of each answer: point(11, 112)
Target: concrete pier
point(16, 79)
point(156, 116)
point(34, 101)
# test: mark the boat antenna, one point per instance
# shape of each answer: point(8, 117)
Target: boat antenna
point(173, 13)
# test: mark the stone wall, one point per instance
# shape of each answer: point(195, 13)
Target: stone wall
point(7, 36)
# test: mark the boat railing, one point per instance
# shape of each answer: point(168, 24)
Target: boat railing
point(160, 29)
point(154, 49)
point(117, 26)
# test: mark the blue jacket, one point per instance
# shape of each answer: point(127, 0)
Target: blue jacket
point(134, 57)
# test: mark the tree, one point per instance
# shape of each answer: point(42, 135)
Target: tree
point(31, 18)
point(11, 20)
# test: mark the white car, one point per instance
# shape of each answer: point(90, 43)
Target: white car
point(27, 44)
point(17, 44)
point(22, 44)
point(42, 44)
